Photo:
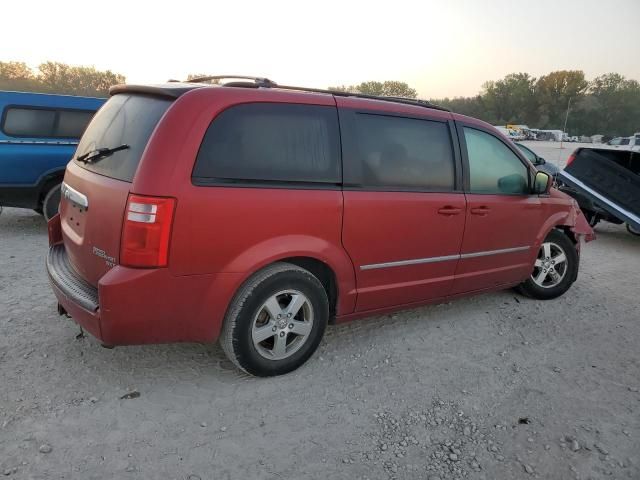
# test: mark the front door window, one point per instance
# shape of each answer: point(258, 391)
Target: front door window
point(493, 167)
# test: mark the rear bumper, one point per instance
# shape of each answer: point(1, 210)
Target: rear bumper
point(140, 306)
point(66, 280)
point(77, 297)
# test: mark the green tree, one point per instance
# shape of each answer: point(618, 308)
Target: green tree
point(554, 90)
point(615, 106)
point(608, 105)
point(15, 70)
point(17, 76)
point(511, 100)
point(471, 106)
point(77, 80)
point(389, 88)
point(56, 77)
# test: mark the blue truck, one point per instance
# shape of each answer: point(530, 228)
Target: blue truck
point(38, 136)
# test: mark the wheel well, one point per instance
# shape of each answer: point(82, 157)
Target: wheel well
point(47, 183)
point(322, 272)
point(567, 231)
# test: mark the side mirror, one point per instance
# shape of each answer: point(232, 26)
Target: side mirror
point(541, 161)
point(542, 183)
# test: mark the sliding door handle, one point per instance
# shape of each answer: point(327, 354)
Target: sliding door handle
point(482, 211)
point(448, 210)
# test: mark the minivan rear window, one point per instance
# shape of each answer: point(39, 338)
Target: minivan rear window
point(271, 142)
point(123, 120)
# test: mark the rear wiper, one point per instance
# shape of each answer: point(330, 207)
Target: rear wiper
point(99, 153)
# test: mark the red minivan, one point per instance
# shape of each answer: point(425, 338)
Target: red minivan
point(257, 214)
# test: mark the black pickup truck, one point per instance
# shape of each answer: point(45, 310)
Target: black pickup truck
point(606, 185)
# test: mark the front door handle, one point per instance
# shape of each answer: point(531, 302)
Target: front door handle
point(482, 211)
point(448, 210)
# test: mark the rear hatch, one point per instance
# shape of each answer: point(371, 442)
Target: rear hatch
point(97, 182)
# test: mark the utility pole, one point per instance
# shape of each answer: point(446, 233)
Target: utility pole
point(565, 123)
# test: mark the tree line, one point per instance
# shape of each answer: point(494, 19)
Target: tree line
point(59, 78)
point(607, 105)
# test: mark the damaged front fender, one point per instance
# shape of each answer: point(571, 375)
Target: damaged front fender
point(581, 228)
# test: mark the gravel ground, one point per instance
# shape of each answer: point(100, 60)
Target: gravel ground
point(490, 387)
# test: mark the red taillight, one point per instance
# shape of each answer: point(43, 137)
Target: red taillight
point(571, 158)
point(146, 231)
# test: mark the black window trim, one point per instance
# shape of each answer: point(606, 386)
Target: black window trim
point(347, 115)
point(460, 126)
point(269, 184)
point(524, 147)
point(56, 119)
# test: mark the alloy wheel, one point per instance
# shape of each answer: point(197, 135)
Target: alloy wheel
point(550, 267)
point(282, 325)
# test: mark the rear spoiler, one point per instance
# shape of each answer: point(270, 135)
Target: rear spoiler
point(170, 91)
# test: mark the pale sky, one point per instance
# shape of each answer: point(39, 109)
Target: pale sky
point(441, 48)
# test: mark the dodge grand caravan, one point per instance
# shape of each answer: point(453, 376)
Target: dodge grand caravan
point(256, 214)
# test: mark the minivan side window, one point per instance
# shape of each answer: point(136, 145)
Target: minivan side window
point(403, 153)
point(271, 142)
point(45, 122)
point(493, 167)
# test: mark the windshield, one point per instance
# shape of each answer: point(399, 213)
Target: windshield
point(123, 120)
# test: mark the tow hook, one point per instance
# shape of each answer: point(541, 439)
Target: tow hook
point(62, 311)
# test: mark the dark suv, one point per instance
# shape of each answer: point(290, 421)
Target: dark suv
point(256, 214)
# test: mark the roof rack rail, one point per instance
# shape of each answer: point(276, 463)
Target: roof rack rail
point(404, 100)
point(266, 83)
point(257, 81)
point(384, 98)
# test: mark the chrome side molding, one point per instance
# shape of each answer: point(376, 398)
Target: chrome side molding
point(74, 195)
point(445, 258)
point(494, 252)
point(414, 261)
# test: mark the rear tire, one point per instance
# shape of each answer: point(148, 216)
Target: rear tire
point(632, 230)
point(276, 320)
point(51, 202)
point(555, 268)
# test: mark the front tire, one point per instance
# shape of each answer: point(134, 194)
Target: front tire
point(275, 321)
point(632, 230)
point(555, 269)
point(51, 202)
